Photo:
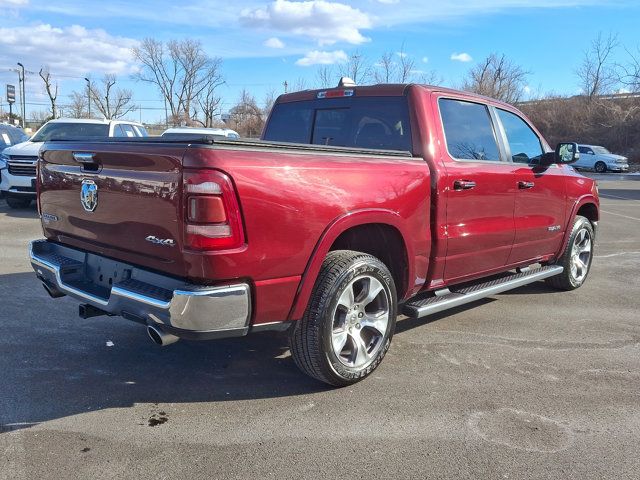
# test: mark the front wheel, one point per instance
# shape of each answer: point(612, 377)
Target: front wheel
point(347, 327)
point(600, 167)
point(577, 256)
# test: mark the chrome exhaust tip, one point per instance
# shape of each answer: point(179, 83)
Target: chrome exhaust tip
point(159, 337)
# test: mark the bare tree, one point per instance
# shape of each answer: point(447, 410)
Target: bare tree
point(110, 102)
point(179, 70)
point(268, 102)
point(78, 105)
point(356, 68)
point(596, 73)
point(630, 74)
point(497, 77)
point(52, 91)
point(208, 100)
point(246, 117)
point(325, 77)
point(406, 66)
point(385, 69)
point(430, 77)
point(40, 116)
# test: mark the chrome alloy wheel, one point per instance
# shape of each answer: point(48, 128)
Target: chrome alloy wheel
point(360, 322)
point(581, 255)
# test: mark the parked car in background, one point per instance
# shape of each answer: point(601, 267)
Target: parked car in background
point(599, 159)
point(18, 162)
point(10, 135)
point(185, 132)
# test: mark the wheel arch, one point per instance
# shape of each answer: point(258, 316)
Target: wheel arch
point(353, 231)
point(588, 207)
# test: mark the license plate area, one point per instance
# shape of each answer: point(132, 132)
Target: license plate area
point(104, 272)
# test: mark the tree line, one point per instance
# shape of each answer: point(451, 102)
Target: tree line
point(189, 80)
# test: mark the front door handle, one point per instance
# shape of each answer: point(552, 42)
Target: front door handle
point(525, 185)
point(464, 185)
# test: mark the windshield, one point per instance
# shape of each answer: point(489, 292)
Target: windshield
point(600, 150)
point(10, 136)
point(380, 123)
point(67, 131)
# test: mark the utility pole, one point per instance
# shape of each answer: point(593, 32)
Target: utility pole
point(286, 85)
point(22, 89)
point(88, 95)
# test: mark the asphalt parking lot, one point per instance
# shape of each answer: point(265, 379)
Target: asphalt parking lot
point(533, 383)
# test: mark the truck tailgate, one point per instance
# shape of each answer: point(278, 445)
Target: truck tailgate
point(119, 199)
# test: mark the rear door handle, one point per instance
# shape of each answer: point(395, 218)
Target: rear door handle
point(464, 185)
point(525, 185)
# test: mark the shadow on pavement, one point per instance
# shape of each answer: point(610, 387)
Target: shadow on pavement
point(55, 364)
point(27, 212)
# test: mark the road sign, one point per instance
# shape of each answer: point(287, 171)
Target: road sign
point(11, 93)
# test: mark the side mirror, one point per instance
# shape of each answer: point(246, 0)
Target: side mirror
point(567, 152)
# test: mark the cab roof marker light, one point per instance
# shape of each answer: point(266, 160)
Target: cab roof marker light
point(335, 93)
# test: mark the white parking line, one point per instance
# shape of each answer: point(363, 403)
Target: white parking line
point(619, 215)
point(608, 195)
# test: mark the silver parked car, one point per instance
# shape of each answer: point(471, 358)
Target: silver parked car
point(599, 159)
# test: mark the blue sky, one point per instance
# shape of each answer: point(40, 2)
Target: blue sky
point(263, 44)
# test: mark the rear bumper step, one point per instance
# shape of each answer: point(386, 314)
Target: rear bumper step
point(115, 288)
point(427, 305)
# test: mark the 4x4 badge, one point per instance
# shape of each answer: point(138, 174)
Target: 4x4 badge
point(89, 195)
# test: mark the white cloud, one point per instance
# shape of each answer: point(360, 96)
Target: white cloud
point(273, 42)
point(461, 57)
point(425, 59)
point(402, 54)
point(73, 50)
point(527, 89)
point(317, 57)
point(13, 3)
point(388, 2)
point(323, 21)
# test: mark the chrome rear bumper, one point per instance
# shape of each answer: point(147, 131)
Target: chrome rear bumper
point(185, 310)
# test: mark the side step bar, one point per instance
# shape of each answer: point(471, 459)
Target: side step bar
point(426, 305)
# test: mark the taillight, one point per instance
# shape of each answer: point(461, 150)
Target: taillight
point(212, 214)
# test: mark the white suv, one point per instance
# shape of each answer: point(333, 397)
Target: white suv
point(18, 163)
point(599, 159)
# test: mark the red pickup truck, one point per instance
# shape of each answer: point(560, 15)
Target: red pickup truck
point(357, 204)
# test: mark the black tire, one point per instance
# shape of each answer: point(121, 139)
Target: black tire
point(17, 202)
point(600, 167)
point(568, 279)
point(312, 339)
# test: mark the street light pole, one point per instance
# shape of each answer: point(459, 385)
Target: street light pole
point(22, 89)
point(88, 95)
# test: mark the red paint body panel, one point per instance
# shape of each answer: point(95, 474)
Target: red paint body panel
point(294, 203)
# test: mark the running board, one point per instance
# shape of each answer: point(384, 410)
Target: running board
point(426, 305)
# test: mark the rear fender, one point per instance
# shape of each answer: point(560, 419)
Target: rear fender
point(329, 236)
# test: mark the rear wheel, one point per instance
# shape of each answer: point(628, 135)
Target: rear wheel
point(576, 258)
point(18, 202)
point(347, 327)
point(600, 167)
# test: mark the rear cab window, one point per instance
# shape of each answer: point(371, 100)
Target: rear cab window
point(468, 130)
point(379, 123)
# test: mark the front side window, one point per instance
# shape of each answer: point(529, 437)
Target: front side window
point(601, 150)
point(468, 130)
point(523, 141)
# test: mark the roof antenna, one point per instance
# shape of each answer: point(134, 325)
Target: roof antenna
point(346, 82)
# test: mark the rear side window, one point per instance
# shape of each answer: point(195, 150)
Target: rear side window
point(523, 141)
point(379, 123)
point(468, 130)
